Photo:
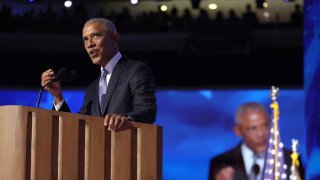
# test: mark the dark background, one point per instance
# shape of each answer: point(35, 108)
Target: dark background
point(212, 52)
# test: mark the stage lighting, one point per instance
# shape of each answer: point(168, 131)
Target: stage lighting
point(266, 15)
point(212, 6)
point(265, 5)
point(163, 8)
point(68, 4)
point(134, 2)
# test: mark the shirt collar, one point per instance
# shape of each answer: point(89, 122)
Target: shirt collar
point(246, 150)
point(247, 155)
point(248, 158)
point(112, 63)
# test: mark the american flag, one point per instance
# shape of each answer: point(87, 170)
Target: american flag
point(274, 164)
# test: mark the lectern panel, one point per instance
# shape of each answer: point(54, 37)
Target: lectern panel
point(41, 144)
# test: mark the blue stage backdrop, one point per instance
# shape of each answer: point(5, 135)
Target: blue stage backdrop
point(197, 124)
point(312, 85)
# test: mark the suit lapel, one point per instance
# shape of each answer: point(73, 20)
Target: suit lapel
point(113, 81)
point(239, 166)
point(96, 105)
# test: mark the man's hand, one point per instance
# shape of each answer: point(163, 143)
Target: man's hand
point(226, 173)
point(54, 88)
point(116, 122)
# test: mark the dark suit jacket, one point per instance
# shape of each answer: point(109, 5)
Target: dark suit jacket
point(130, 92)
point(233, 158)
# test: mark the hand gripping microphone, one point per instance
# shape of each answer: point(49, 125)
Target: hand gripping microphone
point(63, 75)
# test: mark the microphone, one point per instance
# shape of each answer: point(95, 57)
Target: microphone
point(63, 75)
point(66, 75)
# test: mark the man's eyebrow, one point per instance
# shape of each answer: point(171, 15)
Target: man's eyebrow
point(96, 33)
point(91, 34)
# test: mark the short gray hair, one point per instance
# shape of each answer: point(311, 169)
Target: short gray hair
point(108, 25)
point(250, 107)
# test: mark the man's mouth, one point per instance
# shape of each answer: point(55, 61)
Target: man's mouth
point(93, 53)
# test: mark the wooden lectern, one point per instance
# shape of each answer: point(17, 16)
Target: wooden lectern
point(37, 144)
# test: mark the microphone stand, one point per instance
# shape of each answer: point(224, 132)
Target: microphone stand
point(41, 89)
point(39, 97)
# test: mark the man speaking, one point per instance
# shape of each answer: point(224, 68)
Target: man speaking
point(246, 161)
point(125, 90)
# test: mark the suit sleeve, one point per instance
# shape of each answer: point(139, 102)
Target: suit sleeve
point(216, 164)
point(142, 86)
point(64, 107)
point(85, 107)
point(83, 110)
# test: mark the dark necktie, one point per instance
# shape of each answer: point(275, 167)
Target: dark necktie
point(103, 90)
point(255, 169)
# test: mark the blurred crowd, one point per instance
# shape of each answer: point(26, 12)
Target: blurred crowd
point(71, 20)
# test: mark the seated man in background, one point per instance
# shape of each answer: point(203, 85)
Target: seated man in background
point(246, 160)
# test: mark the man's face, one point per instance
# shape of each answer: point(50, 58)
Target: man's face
point(100, 45)
point(254, 129)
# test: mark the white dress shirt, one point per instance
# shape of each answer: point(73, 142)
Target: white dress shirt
point(111, 65)
point(248, 159)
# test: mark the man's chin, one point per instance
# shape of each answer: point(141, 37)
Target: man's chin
point(95, 61)
point(261, 148)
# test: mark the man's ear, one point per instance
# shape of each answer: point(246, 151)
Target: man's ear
point(237, 130)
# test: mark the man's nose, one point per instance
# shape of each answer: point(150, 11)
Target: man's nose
point(91, 43)
point(260, 132)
